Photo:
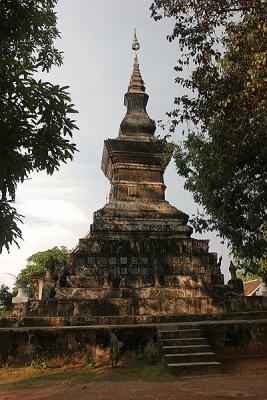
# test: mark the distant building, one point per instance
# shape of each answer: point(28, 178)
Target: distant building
point(252, 287)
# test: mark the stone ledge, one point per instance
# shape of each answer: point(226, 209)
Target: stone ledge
point(229, 338)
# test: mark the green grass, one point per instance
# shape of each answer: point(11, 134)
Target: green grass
point(5, 313)
point(142, 369)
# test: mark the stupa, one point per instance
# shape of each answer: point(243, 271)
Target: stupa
point(139, 257)
point(138, 283)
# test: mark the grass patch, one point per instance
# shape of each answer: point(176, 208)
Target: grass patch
point(29, 377)
point(5, 313)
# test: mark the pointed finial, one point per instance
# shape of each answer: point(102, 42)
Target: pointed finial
point(135, 45)
point(136, 82)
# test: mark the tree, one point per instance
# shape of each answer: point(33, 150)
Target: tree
point(5, 297)
point(246, 276)
point(35, 122)
point(224, 153)
point(38, 262)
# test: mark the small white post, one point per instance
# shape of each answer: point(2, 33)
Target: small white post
point(22, 296)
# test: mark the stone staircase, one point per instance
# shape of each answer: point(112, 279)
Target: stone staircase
point(185, 350)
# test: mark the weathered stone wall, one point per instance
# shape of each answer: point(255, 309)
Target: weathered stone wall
point(86, 344)
point(74, 345)
point(132, 306)
point(164, 301)
point(237, 339)
point(117, 320)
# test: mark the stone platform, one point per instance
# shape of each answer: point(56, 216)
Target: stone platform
point(234, 335)
point(191, 297)
point(115, 320)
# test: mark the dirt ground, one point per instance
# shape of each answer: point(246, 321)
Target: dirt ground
point(244, 379)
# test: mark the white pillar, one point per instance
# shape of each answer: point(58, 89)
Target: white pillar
point(40, 288)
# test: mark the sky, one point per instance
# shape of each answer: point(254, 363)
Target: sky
point(96, 39)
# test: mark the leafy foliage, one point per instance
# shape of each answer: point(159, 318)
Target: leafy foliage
point(224, 154)
point(9, 230)
point(35, 122)
point(5, 297)
point(38, 262)
point(246, 276)
point(167, 155)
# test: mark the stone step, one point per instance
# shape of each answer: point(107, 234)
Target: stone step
point(195, 368)
point(176, 327)
point(167, 327)
point(184, 341)
point(181, 333)
point(189, 357)
point(199, 348)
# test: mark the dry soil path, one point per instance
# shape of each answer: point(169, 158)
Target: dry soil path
point(248, 383)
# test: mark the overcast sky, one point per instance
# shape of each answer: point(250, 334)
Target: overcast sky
point(96, 41)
